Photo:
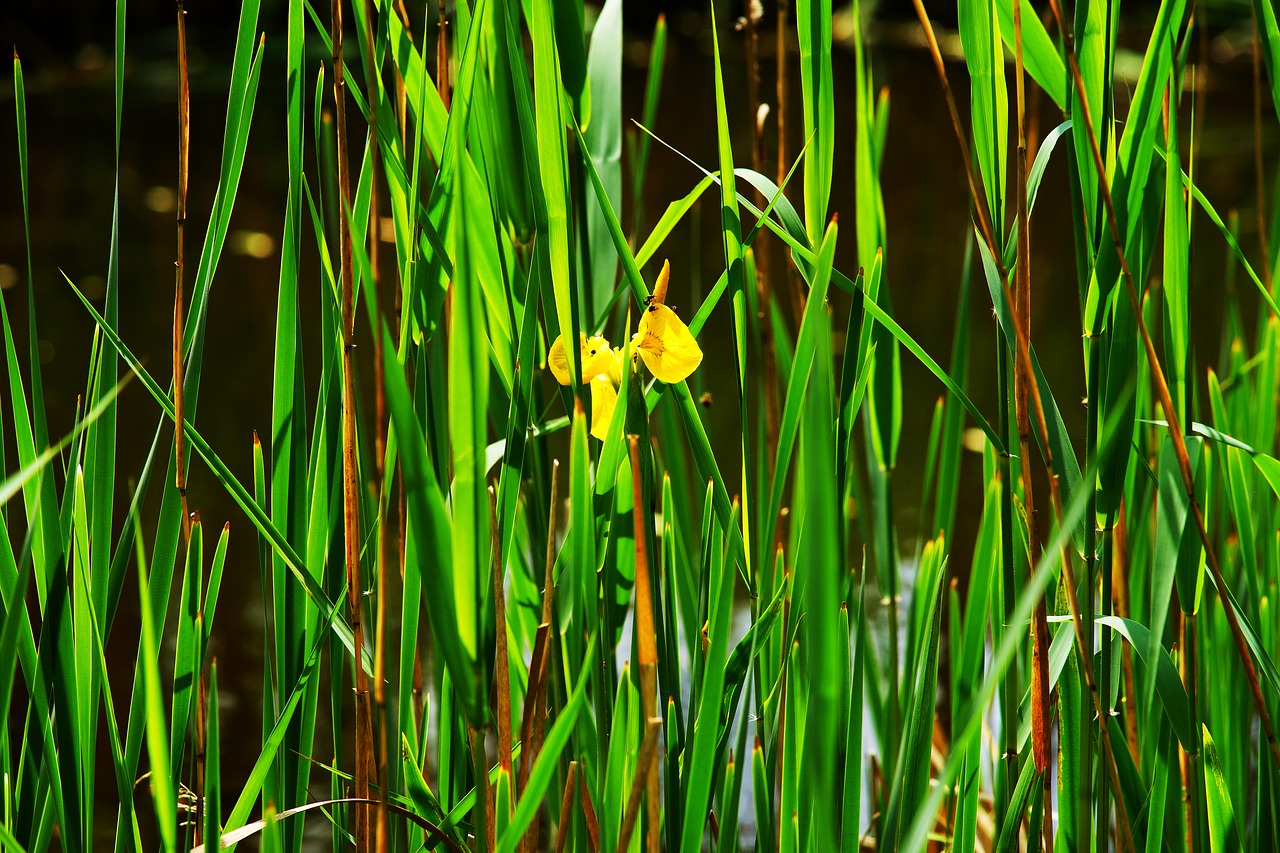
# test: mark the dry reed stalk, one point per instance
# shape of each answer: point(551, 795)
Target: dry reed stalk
point(646, 640)
point(364, 752)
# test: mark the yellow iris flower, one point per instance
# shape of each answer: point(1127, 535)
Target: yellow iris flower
point(597, 358)
point(603, 400)
point(601, 367)
point(663, 340)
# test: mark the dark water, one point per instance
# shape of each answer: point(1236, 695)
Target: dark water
point(72, 174)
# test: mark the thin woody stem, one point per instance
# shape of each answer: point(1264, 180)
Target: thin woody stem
point(1022, 371)
point(179, 406)
point(179, 298)
point(1040, 708)
point(350, 467)
point(380, 436)
point(646, 642)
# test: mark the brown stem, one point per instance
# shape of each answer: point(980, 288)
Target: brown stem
point(380, 433)
point(1040, 722)
point(364, 756)
point(1041, 709)
point(589, 815)
point(566, 807)
point(1166, 405)
point(646, 769)
point(179, 299)
point(179, 405)
point(1186, 637)
point(646, 640)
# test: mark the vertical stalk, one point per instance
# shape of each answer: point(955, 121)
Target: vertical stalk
point(887, 577)
point(179, 300)
point(1010, 689)
point(179, 415)
point(779, 739)
point(380, 463)
point(501, 673)
point(1040, 722)
point(1084, 794)
point(1103, 819)
point(380, 434)
point(444, 87)
point(646, 642)
point(1120, 592)
point(1191, 790)
point(566, 807)
point(535, 701)
point(350, 470)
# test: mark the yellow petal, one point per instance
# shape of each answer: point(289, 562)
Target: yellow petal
point(666, 345)
point(597, 358)
point(615, 368)
point(558, 361)
point(603, 400)
point(660, 286)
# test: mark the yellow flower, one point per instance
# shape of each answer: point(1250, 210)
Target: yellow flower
point(597, 357)
point(616, 363)
point(601, 367)
point(603, 400)
point(663, 340)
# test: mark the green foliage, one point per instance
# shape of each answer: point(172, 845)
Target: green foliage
point(863, 668)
